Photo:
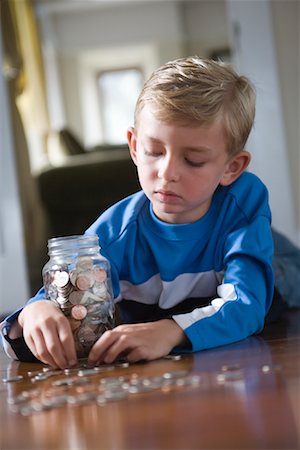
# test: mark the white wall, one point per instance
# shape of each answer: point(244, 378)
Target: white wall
point(13, 274)
point(286, 23)
point(132, 23)
point(255, 56)
point(206, 27)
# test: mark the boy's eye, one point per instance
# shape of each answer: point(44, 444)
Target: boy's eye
point(152, 152)
point(194, 163)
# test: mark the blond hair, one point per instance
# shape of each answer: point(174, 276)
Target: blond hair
point(195, 91)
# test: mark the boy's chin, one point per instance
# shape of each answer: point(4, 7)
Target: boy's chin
point(168, 215)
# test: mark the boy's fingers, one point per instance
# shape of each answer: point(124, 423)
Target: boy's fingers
point(138, 354)
point(38, 347)
point(100, 348)
point(119, 347)
point(55, 348)
point(66, 338)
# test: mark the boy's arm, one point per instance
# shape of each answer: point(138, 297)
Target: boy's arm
point(11, 333)
point(245, 295)
point(141, 341)
point(41, 331)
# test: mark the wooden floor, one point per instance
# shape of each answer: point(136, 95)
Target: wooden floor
point(241, 396)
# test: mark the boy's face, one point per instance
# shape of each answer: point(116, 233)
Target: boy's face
point(180, 167)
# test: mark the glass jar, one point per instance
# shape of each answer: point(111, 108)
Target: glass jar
point(77, 278)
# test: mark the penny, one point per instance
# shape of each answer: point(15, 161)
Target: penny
point(79, 312)
point(84, 281)
point(76, 297)
point(75, 324)
point(81, 289)
point(86, 336)
point(84, 263)
point(99, 274)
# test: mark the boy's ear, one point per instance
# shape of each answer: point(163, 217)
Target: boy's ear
point(131, 140)
point(235, 166)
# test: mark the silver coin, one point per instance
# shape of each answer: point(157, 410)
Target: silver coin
point(271, 368)
point(13, 379)
point(61, 278)
point(55, 401)
point(230, 367)
point(80, 399)
point(173, 357)
point(111, 395)
point(190, 380)
point(175, 374)
point(235, 375)
point(24, 396)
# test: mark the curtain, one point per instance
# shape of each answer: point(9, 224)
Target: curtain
point(23, 71)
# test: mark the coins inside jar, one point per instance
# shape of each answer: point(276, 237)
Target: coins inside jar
point(81, 289)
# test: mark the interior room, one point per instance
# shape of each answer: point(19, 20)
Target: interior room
point(70, 159)
point(71, 73)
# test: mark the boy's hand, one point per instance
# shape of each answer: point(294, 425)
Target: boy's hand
point(142, 341)
point(48, 334)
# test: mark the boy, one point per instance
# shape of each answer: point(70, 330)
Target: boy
point(191, 254)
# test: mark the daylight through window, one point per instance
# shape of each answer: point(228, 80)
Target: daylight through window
point(118, 92)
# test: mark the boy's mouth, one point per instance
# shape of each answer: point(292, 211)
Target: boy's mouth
point(166, 196)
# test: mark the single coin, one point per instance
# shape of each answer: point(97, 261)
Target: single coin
point(90, 298)
point(230, 367)
point(99, 274)
point(100, 290)
point(13, 379)
point(271, 368)
point(79, 312)
point(84, 263)
point(73, 274)
point(61, 300)
point(76, 297)
point(175, 374)
point(75, 324)
point(86, 336)
point(85, 281)
point(173, 357)
point(61, 278)
point(235, 375)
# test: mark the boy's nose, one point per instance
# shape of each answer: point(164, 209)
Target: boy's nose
point(168, 169)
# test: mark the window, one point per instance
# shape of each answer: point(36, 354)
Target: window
point(118, 92)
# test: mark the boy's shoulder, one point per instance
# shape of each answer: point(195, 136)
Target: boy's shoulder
point(247, 182)
point(117, 218)
point(250, 194)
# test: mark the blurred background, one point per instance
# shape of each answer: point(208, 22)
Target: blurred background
point(71, 73)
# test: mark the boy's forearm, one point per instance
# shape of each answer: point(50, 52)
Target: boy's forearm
point(174, 330)
point(15, 330)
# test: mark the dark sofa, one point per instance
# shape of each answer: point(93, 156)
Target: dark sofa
point(75, 192)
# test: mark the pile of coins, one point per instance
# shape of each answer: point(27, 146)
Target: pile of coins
point(84, 295)
point(85, 384)
point(91, 384)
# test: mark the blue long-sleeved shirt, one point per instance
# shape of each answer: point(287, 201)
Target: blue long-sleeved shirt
point(226, 256)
